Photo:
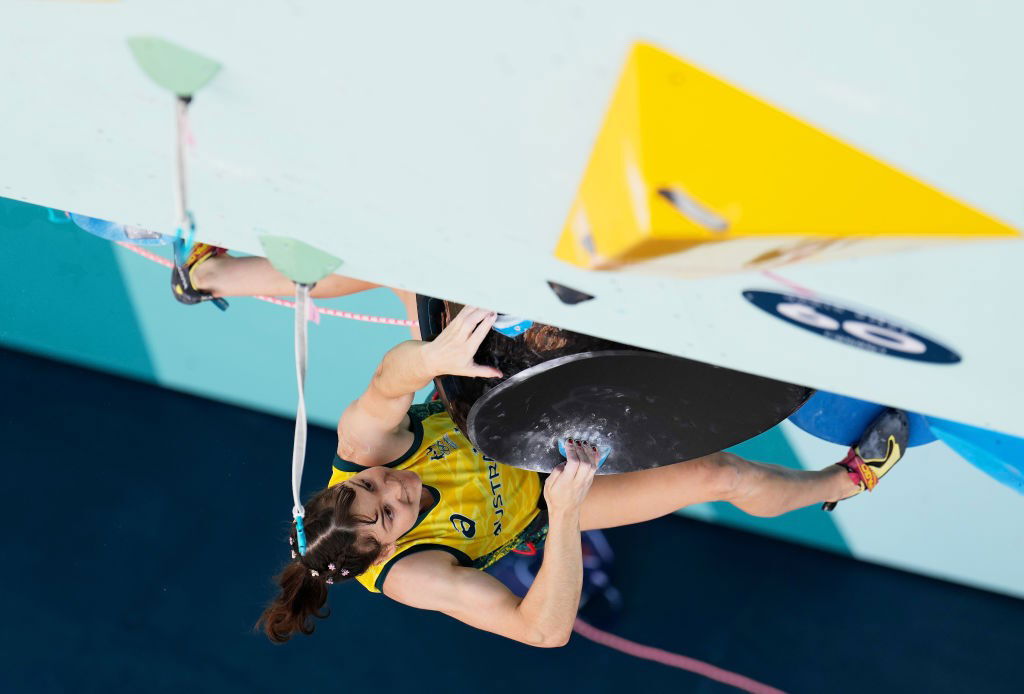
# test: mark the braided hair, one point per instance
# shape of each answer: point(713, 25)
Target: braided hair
point(335, 552)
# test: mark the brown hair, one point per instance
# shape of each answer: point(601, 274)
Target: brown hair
point(332, 539)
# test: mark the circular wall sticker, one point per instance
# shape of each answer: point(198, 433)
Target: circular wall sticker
point(851, 327)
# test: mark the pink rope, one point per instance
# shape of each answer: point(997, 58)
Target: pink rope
point(341, 314)
point(681, 662)
point(799, 289)
point(145, 254)
point(281, 302)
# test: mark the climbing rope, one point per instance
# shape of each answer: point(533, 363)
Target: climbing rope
point(299, 447)
point(185, 221)
point(682, 662)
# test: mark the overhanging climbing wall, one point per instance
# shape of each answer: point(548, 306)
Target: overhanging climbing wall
point(446, 161)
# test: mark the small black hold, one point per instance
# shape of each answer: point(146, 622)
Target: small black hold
point(568, 295)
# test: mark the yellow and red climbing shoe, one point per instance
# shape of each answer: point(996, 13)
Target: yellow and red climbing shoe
point(879, 449)
point(181, 275)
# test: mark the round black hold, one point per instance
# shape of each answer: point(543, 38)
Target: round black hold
point(652, 409)
point(541, 343)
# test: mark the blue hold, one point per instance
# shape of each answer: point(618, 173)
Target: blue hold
point(1000, 456)
point(605, 451)
point(57, 217)
point(112, 231)
point(840, 419)
point(511, 326)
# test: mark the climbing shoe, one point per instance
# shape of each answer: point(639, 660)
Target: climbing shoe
point(181, 275)
point(878, 450)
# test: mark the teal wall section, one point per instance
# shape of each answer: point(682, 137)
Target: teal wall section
point(62, 295)
point(69, 295)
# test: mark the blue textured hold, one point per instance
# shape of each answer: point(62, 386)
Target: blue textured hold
point(842, 420)
point(112, 231)
point(605, 451)
point(57, 217)
point(1000, 456)
point(511, 326)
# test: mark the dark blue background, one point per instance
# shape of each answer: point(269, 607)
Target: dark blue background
point(144, 527)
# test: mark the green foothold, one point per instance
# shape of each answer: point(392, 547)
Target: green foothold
point(297, 260)
point(171, 66)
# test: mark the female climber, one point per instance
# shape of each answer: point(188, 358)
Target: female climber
point(414, 511)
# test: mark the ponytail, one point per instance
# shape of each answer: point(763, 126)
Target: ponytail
point(302, 597)
point(335, 553)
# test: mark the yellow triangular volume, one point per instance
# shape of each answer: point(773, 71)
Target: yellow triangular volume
point(684, 158)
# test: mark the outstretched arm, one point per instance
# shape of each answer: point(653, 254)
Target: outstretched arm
point(374, 429)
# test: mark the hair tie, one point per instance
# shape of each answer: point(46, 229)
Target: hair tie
point(314, 572)
point(300, 532)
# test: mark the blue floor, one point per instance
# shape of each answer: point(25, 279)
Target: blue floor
point(146, 525)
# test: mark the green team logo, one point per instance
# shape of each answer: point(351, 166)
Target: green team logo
point(464, 525)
